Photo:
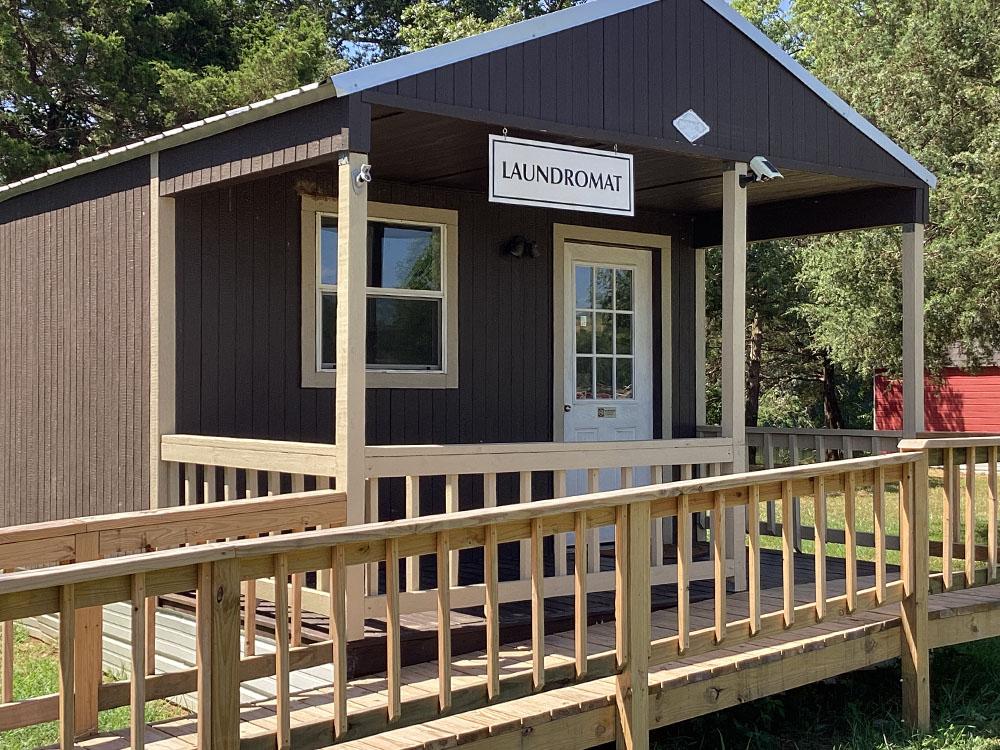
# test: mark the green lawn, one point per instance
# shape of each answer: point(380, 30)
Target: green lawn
point(865, 518)
point(36, 672)
point(861, 711)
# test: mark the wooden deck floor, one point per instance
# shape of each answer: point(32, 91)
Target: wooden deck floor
point(368, 692)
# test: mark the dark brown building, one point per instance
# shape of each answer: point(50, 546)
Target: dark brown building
point(205, 281)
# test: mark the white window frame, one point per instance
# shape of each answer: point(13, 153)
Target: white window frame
point(314, 375)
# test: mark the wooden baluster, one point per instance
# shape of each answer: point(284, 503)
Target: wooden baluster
point(372, 515)
point(491, 575)
point(273, 483)
point(878, 501)
point(392, 645)
point(338, 636)
point(67, 662)
point(298, 579)
point(656, 533)
point(632, 620)
point(970, 517)
point(223, 651)
point(719, 557)
point(851, 539)
point(559, 541)
point(991, 481)
point(413, 511)
point(150, 635)
point(444, 620)
point(753, 508)
point(669, 523)
point(190, 484)
point(593, 539)
point(793, 456)
point(787, 555)
point(772, 521)
point(322, 483)
point(208, 488)
point(819, 548)
point(580, 593)
point(281, 646)
point(451, 505)
point(7, 678)
point(250, 587)
point(820, 449)
point(683, 574)
point(524, 554)
point(537, 606)
point(203, 653)
point(848, 447)
point(229, 483)
point(137, 701)
point(947, 519)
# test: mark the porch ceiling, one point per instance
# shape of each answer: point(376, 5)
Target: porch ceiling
point(424, 149)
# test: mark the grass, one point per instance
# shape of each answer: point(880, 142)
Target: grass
point(861, 711)
point(36, 672)
point(865, 518)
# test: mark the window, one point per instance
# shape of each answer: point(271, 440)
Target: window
point(411, 308)
point(604, 325)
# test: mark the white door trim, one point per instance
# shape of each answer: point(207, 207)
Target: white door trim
point(563, 233)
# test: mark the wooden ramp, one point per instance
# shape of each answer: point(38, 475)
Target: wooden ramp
point(583, 715)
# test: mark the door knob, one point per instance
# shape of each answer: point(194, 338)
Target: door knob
point(567, 408)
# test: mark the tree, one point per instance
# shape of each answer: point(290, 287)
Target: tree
point(928, 74)
point(430, 22)
point(80, 77)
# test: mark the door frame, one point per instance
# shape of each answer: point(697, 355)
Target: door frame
point(563, 233)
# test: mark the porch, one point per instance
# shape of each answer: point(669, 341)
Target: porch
point(826, 612)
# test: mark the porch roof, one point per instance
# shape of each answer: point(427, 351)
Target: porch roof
point(603, 73)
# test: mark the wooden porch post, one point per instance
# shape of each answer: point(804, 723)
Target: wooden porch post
point(349, 408)
point(700, 415)
point(913, 329)
point(734, 272)
point(163, 486)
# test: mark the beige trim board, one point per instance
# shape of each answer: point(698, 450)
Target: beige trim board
point(563, 233)
point(162, 336)
point(448, 219)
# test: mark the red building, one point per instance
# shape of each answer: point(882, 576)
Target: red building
point(958, 401)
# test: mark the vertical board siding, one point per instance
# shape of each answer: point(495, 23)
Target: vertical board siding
point(74, 346)
point(239, 317)
point(960, 401)
point(633, 72)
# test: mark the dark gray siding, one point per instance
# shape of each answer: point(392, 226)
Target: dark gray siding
point(629, 75)
point(238, 266)
point(74, 347)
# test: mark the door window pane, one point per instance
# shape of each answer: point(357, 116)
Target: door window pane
point(604, 332)
point(404, 333)
point(623, 333)
point(623, 289)
point(328, 250)
point(584, 378)
point(623, 378)
point(585, 333)
point(585, 287)
point(404, 257)
point(604, 289)
point(604, 377)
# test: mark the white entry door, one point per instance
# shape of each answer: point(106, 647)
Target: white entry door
point(608, 350)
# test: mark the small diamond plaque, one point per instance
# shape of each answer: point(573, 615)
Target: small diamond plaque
point(691, 126)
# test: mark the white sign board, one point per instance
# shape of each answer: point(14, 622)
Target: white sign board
point(533, 173)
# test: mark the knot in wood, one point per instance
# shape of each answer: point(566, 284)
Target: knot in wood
point(220, 592)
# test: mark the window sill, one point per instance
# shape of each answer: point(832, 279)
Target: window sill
point(383, 379)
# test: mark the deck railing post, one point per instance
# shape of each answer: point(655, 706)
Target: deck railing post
point(218, 641)
point(89, 648)
point(349, 411)
point(632, 613)
point(915, 571)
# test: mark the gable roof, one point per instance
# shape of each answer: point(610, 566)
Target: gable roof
point(378, 74)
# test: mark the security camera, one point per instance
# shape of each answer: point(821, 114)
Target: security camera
point(363, 175)
point(761, 170)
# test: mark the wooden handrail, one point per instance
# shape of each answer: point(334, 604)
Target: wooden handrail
point(216, 569)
